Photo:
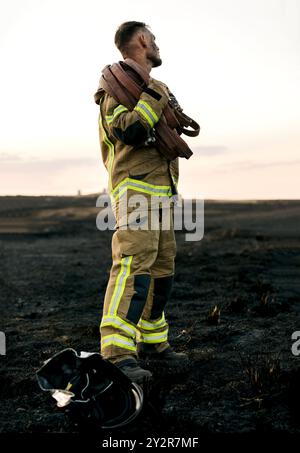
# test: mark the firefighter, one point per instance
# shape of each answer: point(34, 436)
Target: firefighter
point(133, 324)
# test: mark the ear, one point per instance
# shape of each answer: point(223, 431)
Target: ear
point(143, 40)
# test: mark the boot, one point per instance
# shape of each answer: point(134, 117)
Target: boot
point(149, 352)
point(133, 371)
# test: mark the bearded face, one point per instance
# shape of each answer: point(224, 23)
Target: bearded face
point(153, 51)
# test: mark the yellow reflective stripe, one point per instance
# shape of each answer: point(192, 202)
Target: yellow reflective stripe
point(149, 108)
point(119, 323)
point(148, 325)
point(137, 181)
point(118, 340)
point(141, 189)
point(140, 186)
point(175, 181)
point(147, 112)
point(144, 114)
point(120, 285)
point(69, 386)
point(117, 111)
point(111, 152)
point(154, 337)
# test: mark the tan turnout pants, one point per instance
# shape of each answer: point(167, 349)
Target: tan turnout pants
point(138, 290)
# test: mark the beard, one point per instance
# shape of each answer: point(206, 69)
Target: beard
point(155, 60)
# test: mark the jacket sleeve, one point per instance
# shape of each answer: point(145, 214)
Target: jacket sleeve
point(133, 127)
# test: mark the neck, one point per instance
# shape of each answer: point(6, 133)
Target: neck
point(143, 62)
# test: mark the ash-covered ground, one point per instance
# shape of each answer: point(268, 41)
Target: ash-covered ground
point(245, 272)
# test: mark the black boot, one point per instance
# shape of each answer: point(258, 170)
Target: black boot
point(133, 371)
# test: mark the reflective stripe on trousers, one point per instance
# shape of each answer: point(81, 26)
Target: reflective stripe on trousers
point(139, 287)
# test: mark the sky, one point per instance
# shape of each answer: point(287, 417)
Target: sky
point(234, 66)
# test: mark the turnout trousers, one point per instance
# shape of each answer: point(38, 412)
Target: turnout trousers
point(139, 287)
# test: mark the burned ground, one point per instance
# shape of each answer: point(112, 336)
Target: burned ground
point(242, 375)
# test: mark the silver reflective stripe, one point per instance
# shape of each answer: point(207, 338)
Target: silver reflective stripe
point(148, 325)
point(118, 110)
point(147, 112)
point(147, 188)
point(117, 322)
point(118, 340)
point(155, 338)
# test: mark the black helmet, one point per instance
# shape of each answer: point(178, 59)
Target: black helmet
point(94, 386)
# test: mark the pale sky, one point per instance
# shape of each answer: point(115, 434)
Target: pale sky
point(234, 66)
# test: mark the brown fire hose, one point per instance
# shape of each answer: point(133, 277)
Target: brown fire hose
point(125, 81)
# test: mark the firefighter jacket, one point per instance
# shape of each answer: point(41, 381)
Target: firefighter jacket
point(128, 149)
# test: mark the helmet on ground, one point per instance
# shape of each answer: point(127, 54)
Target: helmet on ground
point(92, 386)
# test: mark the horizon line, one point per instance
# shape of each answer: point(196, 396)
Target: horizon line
point(96, 194)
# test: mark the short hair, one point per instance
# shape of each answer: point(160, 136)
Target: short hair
point(125, 32)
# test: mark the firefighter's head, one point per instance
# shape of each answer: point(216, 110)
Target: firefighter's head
point(135, 40)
